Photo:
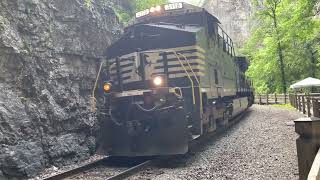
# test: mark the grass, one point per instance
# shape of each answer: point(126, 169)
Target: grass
point(284, 106)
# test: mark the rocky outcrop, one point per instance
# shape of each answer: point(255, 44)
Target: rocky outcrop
point(234, 16)
point(49, 54)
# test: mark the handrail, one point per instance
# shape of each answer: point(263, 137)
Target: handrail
point(184, 68)
point(186, 71)
point(302, 94)
point(195, 76)
point(93, 98)
point(191, 81)
point(314, 172)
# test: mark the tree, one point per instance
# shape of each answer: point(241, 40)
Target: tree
point(272, 11)
point(284, 43)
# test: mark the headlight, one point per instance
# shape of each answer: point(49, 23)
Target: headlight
point(152, 10)
point(107, 87)
point(158, 81)
point(158, 8)
point(155, 9)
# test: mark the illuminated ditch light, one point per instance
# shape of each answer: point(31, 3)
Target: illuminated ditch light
point(107, 87)
point(158, 81)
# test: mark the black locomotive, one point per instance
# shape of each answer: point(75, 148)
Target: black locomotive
point(172, 77)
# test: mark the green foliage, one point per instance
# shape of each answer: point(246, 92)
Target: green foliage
point(88, 3)
point(284, 106)
point(125, 13)
point(123, 16)
point(297, 30)
point(2, 22)
point(145, 4)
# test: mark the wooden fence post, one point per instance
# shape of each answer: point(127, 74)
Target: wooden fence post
point(307, 144)
point(299, 102)
point(275, 98)
point(290, 99)
point(267, 99)
point(316, 106)
point(296, 101)
point(260, 99)
point(285, 98)
point(293, 100)
point(303, 104)
point(308, 105)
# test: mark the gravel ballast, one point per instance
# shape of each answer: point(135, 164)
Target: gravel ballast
point(260, 146)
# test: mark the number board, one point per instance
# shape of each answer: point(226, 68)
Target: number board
point(173, 6)
point(167, 7)
point(142, 13)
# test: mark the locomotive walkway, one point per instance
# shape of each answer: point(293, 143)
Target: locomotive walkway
point(261, 146)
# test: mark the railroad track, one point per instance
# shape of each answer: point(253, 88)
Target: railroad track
point(130, 167)
point(119, 168)
point(131, 171)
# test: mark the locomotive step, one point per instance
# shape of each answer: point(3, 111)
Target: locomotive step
point(195, 136)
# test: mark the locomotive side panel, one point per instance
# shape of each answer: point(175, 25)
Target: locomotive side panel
point(220, 76)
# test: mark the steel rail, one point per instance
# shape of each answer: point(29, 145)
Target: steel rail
point(131, 171)
point(76, 170)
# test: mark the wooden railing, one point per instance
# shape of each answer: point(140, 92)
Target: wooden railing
point(308, 104)
point(308, 144)
point(308, 129)
point(271, 99)
point(314, 172)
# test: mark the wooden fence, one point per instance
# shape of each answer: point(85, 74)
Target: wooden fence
point(308, 129)
point(308, 144)
point(308, 104)
point(314, 172)
point(271, 99)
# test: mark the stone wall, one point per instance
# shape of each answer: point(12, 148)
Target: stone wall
point(49, 56)
point(234, 16)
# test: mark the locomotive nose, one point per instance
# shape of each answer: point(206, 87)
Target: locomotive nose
point(146, 129)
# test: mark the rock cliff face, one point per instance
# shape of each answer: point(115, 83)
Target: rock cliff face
point(234, 16)
point(49, 56)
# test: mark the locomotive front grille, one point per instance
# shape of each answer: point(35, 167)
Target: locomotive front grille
point(129, 64)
